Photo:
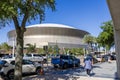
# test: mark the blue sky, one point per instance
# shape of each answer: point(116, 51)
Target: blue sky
point(86, 15)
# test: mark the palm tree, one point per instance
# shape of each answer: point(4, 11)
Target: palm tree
point(4, 46)
point(89, 40)
point(31, 48)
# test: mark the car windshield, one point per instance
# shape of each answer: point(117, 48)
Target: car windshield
point(37, 55)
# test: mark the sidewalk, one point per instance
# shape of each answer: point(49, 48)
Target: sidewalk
point(101, 71)
point(93, 78)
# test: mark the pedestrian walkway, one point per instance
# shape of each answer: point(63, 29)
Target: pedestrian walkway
point(93, 78)
point(104, 70)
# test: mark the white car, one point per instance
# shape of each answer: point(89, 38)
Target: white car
point(7, 68)
point(33, 57)
point(99, 59)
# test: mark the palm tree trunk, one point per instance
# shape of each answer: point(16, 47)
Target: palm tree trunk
point(114, 6)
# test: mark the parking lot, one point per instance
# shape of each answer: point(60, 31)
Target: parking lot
point(101, 71)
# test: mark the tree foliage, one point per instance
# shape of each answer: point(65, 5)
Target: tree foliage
point(5, 46)
point(77, 51)
point(31, 48)
point(40, 50)
point(20, 12)
point(106, 37)
point(90, 40)
point(24, 10)
point(50, 49)
point(56, 49)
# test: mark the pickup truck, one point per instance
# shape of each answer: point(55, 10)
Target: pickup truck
point(65, 61)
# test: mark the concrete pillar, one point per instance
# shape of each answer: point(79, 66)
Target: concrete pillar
point(114, 7)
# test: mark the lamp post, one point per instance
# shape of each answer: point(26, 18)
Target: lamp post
point(13, 50)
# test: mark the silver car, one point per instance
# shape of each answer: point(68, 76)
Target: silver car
point(7, 68)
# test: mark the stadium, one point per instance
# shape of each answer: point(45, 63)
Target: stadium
point(49, 34)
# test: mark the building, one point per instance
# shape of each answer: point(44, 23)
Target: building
point(51, 34)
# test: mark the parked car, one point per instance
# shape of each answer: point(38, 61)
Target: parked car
point(99, 58)
point(65, 61)
point(33, 57)
point(105, 58)
point(6, 56)
point(7, 68)
point(113, 57)
point(44, 56)
point(92, 58)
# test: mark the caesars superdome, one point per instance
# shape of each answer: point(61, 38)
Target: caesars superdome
point(50, 35)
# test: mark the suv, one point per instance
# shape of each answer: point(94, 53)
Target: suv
point(44, 56)
point(33, 57)
point(65, 61)
point(8, 65)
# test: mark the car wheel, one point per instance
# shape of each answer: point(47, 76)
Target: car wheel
point(65, 66)
point(39, 70)
point(11, 75)
point(55, 66)
point(45, 61)
point(77, 65)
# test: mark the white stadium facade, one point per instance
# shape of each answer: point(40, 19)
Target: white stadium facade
point(51, 34)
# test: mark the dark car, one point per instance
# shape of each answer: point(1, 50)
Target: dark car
point(112, 57)
point(65, 61)
point(92, 58)
point(105, 58)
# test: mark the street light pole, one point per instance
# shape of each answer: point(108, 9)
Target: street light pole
point(13, 50)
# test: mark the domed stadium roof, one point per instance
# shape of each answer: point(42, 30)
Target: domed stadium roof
point(51, 29)
point(50, 25)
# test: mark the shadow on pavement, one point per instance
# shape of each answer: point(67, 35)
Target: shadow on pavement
point(96, 67)
point(58, 74)
point(116, 76)
point(50, 77)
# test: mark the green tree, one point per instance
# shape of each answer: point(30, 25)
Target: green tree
point(5, 47)
point(56, 49)
point(20, 12)
point(77, 51)
point(50, 49)
point(89, 39)
point(80, 51)
point(31, 48)
point(106, 37)
point(40, 51)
